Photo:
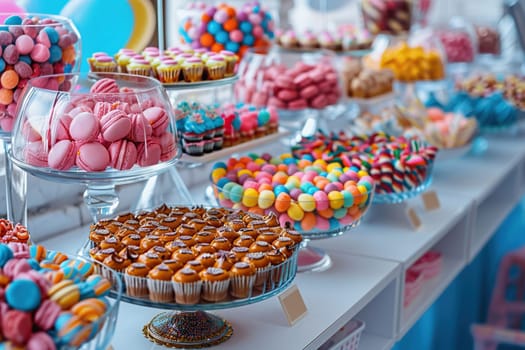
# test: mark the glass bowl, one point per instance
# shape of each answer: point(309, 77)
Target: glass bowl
point(45, 44)
point(289, 80)
point(107, 126)
point(459, 41)
point(92, 281)
point(319, 199)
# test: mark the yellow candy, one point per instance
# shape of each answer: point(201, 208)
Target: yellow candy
point(362, 173)
point(364, 194)
point(306, 202)
point(293, 181)
point(260, 161)
point(218, 173)
point(250, 197)
point(336, 199)
point(295, 212)
point(320, 163)
point(244, 171)
point(286, 155)
point(266, 199)
point(332, 166)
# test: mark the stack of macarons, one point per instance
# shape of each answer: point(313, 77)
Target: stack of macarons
point(106, 127)
point(10, 232)
point(49, 300)
point(31, 47)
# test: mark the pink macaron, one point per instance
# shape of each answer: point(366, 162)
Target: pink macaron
point(104, 86)
point(35, 154)
point(158, 119)
point(84, 127)
point(123, 154)
point(62, 155)
point(93, 156)
point(115, 125)
point(168, 146)
point(140, 128)
point(149, 153)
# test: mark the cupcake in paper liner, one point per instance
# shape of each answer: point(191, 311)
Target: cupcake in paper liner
point(135, 280)
point(262, 267)
point(159, 284)
point(187, 286)
point(139, 66)
point(242, 279)
point(192, 69)
point(168, 71)
point(231, 60)
point(215, 282)
point(215, 67)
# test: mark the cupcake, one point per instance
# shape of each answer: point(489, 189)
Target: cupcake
point(308, 40)
point(195, 265)
point(231, 60)
point(161, 251)
point(187, 286)
point(168, 71)
point(215, 67)
point(192, 69)
point(221, 243)
point(288, 39)
point(262, 266)
point(102, 63)
point(267, 236)
point(183, 255)
point(240, 252)
point(260, 247)
point(159, 284)
point(193, 135)
point(123, 57)
point(215, 282)
point(204, 237)
point(276, 258)
point(242, 279)
point(200, 248)
point(139, 66)
point(135, 279)
point(150, 259)
point(116, 262)
point(263, 119)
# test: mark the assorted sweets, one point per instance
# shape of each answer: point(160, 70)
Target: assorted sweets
point(396, 164)
point(458, 45)
point(192, 255)
point(173, 65)
point(12, 233)
point(387, 16)
point(306, 194)
point(224, 27)
point(424, 269)
point(118, 123)
point(266, 83)
point(512, 87)
point(413, 63)
point(49, 300)
point(489, 41)
point(33, 45)
point(362, 82)
point(204, 129)
point(340, 40)
point(447, 130)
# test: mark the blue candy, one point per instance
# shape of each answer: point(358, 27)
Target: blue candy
point(52, 34)
point(2, 64)
point(246, 27)
point(23, 295)
point(86, 290)
point(35, 265)
point(221, 37)
point(213, 27)
point(55, 54)
point(6, 254)
point(231, 46)
point(13, 20)
point(222, 181)
point(60, 325)
point(279, 189)
point(28, 60)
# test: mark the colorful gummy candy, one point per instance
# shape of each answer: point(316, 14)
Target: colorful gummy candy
point(223, 27)
point(49, 300)
point(305, 194)
point(397, 164)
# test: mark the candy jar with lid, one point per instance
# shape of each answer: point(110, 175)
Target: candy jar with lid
point(459, 42)
point(387, 16)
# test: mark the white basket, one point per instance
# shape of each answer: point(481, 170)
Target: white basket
point(347, 338)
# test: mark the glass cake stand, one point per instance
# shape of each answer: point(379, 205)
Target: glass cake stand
point(190, 326)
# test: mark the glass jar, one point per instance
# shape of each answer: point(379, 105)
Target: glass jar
point(488, 39)
point(33, 45)
point(459, 40)
point(387, 16)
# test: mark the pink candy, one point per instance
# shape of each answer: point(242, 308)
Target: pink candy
point(458, 46)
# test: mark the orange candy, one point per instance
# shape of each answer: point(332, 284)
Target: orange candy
point(264, 186)
point(256, 210)
point(69, 54)
point(6, 96)
point(230, 11)
point(205, 18)
point(230, 24)
point(9, 79)
point(282, 202)
point(326, 213)
point(217, 47)
point(242, 50)
point(207, 40)
point(308, 222)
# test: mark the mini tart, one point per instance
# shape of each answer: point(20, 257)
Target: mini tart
point(236, 224)
point(111, 242)
point(240, 252)
point(162, 252)
point(125, 217)
point(116, 262)
point(183, 255)
point(283, 241)
point(200, 248)
point(102, 254)
point(228, 233)
point(168, 237)
point(131, 252)
point(132, 239)
point(137, 269)
point(171, 222)
point(161, 272)
point(150, 259)
point(149, 242)
point(221, 243)
point(213, 221)
point(204, 237)
point(249, 232)
point(267, 236)
point(198, 224)
point(257, 224)
point(271, 220)
point(296, 236)
point(173, 264)
point(260, 246)
point(244, 241)
point(99, 235)
point(186, 230)
point(206, 259)
point(188, 240)
point(175, 245)
point(195, 265)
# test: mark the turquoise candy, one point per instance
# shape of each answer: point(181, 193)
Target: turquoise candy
point(6, 254)
point(13, 20)
point(52, 34)
point(23, 295)
point(432, 101)
point(86, 290)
